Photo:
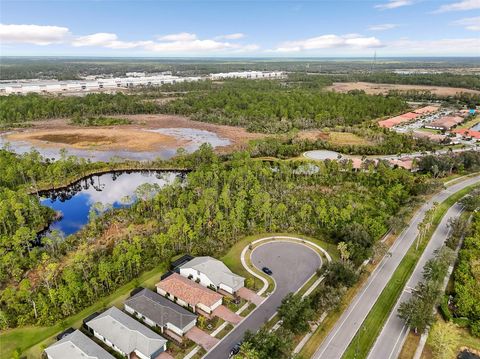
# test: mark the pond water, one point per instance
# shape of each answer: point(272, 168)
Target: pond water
point(476, 127)
point(194, 137)
point(322, 155)
point(112, 190)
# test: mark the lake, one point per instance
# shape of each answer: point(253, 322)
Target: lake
point(113, 190)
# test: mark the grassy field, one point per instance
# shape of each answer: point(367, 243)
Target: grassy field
point(346, 139)
point(470, 124)
point(32, 340)
point(372, 325)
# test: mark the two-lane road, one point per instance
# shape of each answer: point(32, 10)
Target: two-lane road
point(390, 341)
point(348, 324)
point(292, 265)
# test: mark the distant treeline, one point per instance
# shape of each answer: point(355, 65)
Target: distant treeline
point(441, 79)
point(72, 69)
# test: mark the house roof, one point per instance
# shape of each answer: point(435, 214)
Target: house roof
point(126, 333)
point(426, 109)
point(188, 291)
point(216, 271)
point(468, 133)
point(77, 346)
point(393, 121)
point(159, 309)
point(446, 122)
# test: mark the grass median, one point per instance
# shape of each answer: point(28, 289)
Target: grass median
point(372, 325)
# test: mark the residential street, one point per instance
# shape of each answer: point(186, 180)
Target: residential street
point(292, 265)
point(390, 341)
point(348, 324)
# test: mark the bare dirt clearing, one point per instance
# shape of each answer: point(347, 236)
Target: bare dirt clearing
point(98, 139)
point(375, 89)
point(138, 136)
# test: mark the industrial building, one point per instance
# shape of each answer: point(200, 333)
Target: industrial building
point(136, 79)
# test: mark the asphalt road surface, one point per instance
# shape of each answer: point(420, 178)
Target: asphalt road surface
point(348, 324)
point(292, 265)
point(390, 341)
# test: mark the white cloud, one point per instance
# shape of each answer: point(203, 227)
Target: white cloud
point(382, 27)
point(459, 6)
point(182, 36)
point(105, 39)
point(393, 4)
point(329, 42)
point(470, 23)
point(174, 43)
point(235, 36)
point(33, 34)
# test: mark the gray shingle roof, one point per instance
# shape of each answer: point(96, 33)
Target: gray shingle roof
point(159, 309)
point(77, 346)
point(126, 333)
point(216, 271)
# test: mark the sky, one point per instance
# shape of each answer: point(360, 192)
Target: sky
point(249, 28)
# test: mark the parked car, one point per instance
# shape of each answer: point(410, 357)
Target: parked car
point(235, 350)
point(267, 270)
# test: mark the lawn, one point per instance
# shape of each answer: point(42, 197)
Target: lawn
point(347, 139)
point(372, 325)
point(469, 124)
point(32, 340)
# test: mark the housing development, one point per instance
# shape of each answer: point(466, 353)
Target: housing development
point(240, 179)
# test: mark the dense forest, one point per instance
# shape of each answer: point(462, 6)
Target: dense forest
point(466, 302)
point(462, 99)
point(17, 109)
point(219, 203)
point(263, 107)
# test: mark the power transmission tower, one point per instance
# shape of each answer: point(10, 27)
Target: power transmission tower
point(374, 62)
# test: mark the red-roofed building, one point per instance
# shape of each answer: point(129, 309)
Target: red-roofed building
point(468, 133)
point(187, 293)
point(426, 109)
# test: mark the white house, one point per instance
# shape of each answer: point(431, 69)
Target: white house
point(211, 272)
point(126, 335)
point(77, 346)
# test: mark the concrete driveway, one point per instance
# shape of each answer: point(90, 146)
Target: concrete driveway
point(292, 265)
point(250, 295)
point(227, 315)
point(201, 338)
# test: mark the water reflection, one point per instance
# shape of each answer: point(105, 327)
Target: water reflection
point(111, 190)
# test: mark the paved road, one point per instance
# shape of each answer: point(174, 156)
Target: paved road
point(344, 330)
point(292, 265)
point(390, 341)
